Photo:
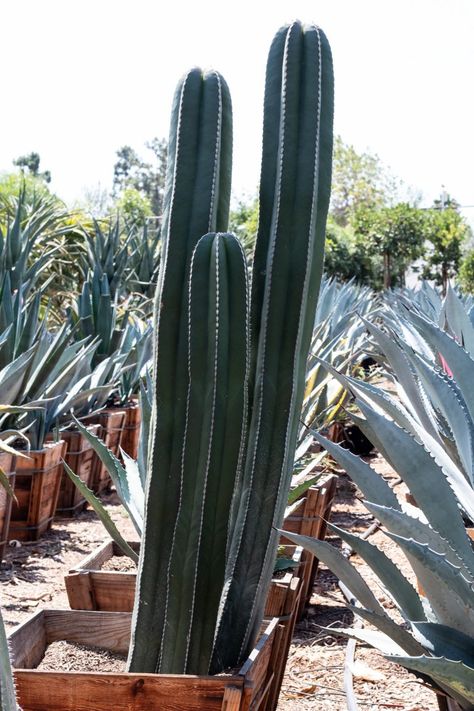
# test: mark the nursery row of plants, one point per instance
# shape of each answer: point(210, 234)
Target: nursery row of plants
point(239, 376)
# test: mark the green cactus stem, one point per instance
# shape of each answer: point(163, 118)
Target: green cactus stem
point(212, 451)
point(294, 200)
point(197, 199)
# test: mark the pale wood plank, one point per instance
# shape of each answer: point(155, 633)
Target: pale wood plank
point(38, 691)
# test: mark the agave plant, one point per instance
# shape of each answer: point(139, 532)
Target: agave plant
point(433, 366)
point(437, 637)
point(144, 261)
point(425, 434)
point(338, 338)
point(24, 228)
point(137, 347)
point(97, 314)
point(107, 254)
point(54, 377)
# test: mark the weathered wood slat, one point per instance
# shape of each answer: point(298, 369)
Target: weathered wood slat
point(68, 691)
point(109, 630)
point(37, 484)
point(28, 642)
point(310, 518)
point(80, 457)
point(55, 691)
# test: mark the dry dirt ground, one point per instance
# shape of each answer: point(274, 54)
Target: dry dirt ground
point(31, 577)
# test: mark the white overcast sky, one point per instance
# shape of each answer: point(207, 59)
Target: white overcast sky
point(82, 77)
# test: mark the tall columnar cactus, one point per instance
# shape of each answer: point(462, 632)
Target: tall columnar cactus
point(294, 200)
point(225, 417)
point(212, 452)
point(197, 199)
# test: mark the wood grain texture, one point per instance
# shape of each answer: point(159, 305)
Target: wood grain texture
point(37, 484)
point(80, 457)
point(90, 588)
point(50, 691)
point(109, 630)
point(111, 422)
point(310, 518)
point(27, 642)
point(283, 641)
point(72, 691)
point(131, 430)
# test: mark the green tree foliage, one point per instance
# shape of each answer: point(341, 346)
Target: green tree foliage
point(447, 232)
point(146, 177)
point(358, 179)
point(395, 235)
point(243, 222)
point(466, 272)
point(31, 162)
point(134, 206)
point(345, 255)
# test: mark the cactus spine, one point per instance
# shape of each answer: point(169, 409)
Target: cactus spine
point(197, 199)
point(294, 200)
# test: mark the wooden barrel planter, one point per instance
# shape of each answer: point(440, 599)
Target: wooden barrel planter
point(308, 516)
point(38, 690)
point(7, 464)
point(81, 458)
point(131, 429)
point(111, 423)
point(37, 484)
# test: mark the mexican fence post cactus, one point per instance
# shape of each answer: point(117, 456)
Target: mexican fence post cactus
point(226, 413)
point(197, 199)
point(294, 200)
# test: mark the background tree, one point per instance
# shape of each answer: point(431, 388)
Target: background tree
point(146, 177)
point(395, 235)
point(359, 179)
point(243, 222)
point(346, 257)
point(31, 163)
point(447, 232)
point(466, 273)
point(134, 206)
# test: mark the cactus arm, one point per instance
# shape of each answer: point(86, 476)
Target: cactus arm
point(212, 451)
point(197, 201)
point(292, 274)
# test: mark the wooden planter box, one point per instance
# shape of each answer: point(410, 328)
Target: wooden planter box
point(131, 429)
point(7, 464)
point(90, 588)
point(37, 484)
point(81, 458)
point(87, 691)
point(111, 422)
point(309, 517)
point(283, 603)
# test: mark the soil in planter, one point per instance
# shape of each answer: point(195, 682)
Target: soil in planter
point(120, 564)
point(72, 657)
